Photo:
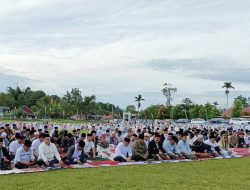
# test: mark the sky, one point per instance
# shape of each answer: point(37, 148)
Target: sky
point(117, 49)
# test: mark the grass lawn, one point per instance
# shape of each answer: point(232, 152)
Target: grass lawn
point(229, 174)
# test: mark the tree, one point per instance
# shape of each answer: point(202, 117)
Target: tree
point(215, 103)
point(237, 108)
point(187, 101)
point(167, 92)
point(138, 99)
point(227, 86)
point(131, 109)
point(243, 100)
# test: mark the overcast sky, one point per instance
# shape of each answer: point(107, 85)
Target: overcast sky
point(117, 49)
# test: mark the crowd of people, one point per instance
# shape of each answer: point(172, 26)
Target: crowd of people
point(46, 145)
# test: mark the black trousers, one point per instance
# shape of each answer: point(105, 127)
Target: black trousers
point(51, 163)
point(138, 158)
point(19, 165)
point(5, 165)
point(119, 159)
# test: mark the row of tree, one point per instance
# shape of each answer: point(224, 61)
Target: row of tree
point(188, 110)
point(54, 106)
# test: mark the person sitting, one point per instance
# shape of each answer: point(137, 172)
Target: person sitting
point(15, 145)
point(155, 149)
point(171, 148)
point(139, 149)
point(215, 149)
point(146, 139)
point(103, 145)
point(67, 142)
point(94, 138)
point(36, 143)
point(223, 143)
point(123, 152)
point(201, 149)
point(184, 147)
point(82, 137)
point(241, 143)
point(113, 139)
point(48, 154)
point(5, 157)
point(89, 147)
point(119, 136)
point(24, 156)
point(232, 140)
point(75, 154)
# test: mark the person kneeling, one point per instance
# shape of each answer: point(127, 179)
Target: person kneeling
point(171, 148)
point(75, 154)
point(48, 154)
point(123, 151)
point(140, 150)
point(24, 156)
point(5, 157)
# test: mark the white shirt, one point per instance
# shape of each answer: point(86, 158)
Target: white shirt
point(48, 152)
point(123, 151)
point(77, 153)
point(24, 156)
point(35, 146)
point(14, 146)
point(88, 146)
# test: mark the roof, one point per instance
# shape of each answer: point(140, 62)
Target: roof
point(228, 113)
point(26, 110)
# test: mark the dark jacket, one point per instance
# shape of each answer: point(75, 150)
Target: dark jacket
point(152, 148)
point(6, 154)
point(201, 147)
point(71, 150)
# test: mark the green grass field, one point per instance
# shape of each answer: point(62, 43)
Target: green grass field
point(229, 174)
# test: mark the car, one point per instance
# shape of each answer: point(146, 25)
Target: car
point(239, 121)
point(218, 121)
point(198, 121)
point(182, 121)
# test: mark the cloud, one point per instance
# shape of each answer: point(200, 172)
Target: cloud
point(222, 69)
point(128, 46)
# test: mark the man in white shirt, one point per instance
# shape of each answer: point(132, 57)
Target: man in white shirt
point(15, 145)
point(48, 154)
point(36, 143)
point(75, 154)
point(123, 151)
point(24, 156)
point(89, 147)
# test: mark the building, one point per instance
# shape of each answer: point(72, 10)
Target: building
point(229, 113)
point(4, 110)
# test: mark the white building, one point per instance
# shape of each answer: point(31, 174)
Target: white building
point(4, 110)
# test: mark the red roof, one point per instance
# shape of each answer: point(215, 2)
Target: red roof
point(229, 112)
point(107, 117)
point(26, 110)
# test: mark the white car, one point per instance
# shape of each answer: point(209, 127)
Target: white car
point(198, 121)
point(239, 121)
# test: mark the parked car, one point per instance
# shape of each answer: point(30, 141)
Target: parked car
point(239, 121)
point(198, 121)
point(182, 121)
point(218, 121)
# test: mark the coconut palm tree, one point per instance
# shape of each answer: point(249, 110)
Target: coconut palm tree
point(138, 99)
point(227, 86)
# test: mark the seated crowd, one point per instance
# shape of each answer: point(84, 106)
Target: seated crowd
point(45, 148)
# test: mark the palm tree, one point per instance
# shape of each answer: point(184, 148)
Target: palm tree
point(227, 86)
point(138, 99)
